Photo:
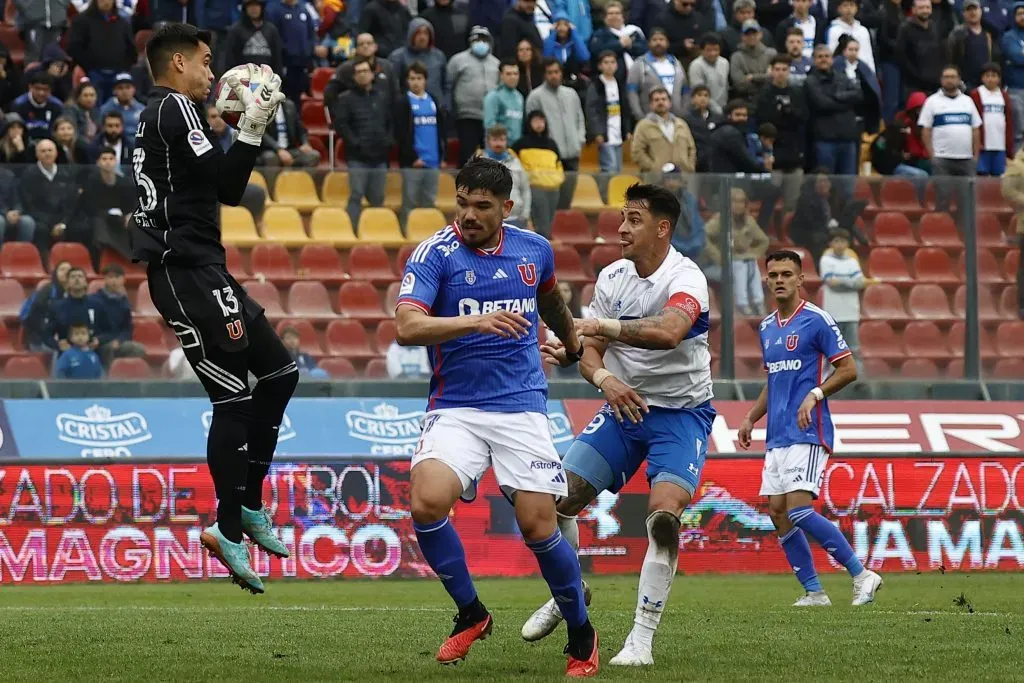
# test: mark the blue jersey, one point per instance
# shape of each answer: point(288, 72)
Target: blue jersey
point(798, 355)
point(445, 278)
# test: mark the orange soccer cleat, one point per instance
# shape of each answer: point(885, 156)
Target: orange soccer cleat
point(583, 668)
point(462, 638)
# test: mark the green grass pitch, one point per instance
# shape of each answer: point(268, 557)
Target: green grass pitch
point(724, 628)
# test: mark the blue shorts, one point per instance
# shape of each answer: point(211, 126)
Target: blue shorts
point(674, 441)
point(991, 163)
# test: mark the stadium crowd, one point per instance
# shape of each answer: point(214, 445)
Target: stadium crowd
point(799, 97)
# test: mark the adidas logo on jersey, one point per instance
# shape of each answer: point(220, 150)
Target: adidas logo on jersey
point(558, 478)
point(500, 275)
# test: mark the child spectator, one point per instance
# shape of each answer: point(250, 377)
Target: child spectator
point(843, 279)
point(539, 156)
point(68, 310)
point(419, 129)
point(702, 122)
point(497, 149)
point(608, 122)
point(79, 361)
point(996, 111)
point(303, 361)
point(749, 245)
point(762, 143)
point(114, 318)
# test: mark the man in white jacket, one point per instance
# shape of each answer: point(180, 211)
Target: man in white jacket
point(847, 24)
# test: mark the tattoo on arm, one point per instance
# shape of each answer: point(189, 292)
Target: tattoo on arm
point(556, 315)
point(652, 332)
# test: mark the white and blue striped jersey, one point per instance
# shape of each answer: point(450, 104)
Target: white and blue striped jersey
point(798, 354)
point(445, 278)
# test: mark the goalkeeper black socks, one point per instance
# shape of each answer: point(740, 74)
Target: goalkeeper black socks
point(270, 397)
point(226, 457)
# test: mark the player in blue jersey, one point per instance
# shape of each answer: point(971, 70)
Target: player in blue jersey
point(475, 293)
point(807, 360)
point(646, 348)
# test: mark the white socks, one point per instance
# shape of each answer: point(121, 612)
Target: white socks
point(570, 530)
point(656, 576)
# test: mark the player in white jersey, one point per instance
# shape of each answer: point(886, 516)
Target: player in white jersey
point(646, 348)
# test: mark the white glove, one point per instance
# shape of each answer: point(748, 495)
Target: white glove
point(260, 105)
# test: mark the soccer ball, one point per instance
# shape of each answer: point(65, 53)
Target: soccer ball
point(229, 106)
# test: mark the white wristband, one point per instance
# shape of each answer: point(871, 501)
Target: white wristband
point(600, 376)
point(610, 328)
point(818, 394)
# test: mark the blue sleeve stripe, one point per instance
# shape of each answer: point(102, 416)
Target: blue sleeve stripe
point(700, 326)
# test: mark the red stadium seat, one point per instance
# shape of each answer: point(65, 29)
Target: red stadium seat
point(747, 341)
point(568, 264)
point(957, 345)
point(377, 368)
point(348, 338)
point(25, 367)
point(1008, 304)
point(360, 300)
point(74, 253)
point(385, 335)
point(1011, 264)
point(603, 255)
point(894, 230)
point(925, 340)
point(319, 80)
point(130, 368)
point(919, 368)
point(309, 299)
point(932, 264)
point(6, 342)
point(571, 227)
point(900, 195)
point(144, 303)
point(403, 256)
point(338, 368)
point(21, 260)
point(370, 262)
point(883, 302)
point(1009, 336)
point(266, 295)
point(235, 262)
point(990, 231)
point(876, 368)
point(955, 369)
point(152, 335)
point(888, 264)
point(134, 273)
point(321, 262)
point(988, 267)
point(865, 191)
point(879, 341)
point(11, 298)
point(990, 198)
point(309, 340)
point(390, 297)
point(939, 230)
point(1009, 368)
point(608, 222)
point(272, 261)
point(11, 37)
point(928, 302)
point(317, 143)
point(314, 116)
point(986, 303)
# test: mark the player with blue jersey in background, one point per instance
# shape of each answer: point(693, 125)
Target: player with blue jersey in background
point(474, 294)
point(646, 348)
point(807, 360)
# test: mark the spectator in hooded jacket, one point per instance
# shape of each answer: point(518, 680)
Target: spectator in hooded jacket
point(124, 102)
point(785, 106)
point(656, 69)
point(920, 50)
point(626, 41)
point(296, 23)
point(251, 40)
point(472, 74)
point(578, 13)
point(972, 45)
point(749, 64)
point(103, 44)
point(37, 108)
point(419, 47)
point(565, 44)
point(539, 156)
point(846, 24)
point(832, 99)
point(685, 25)
point(608, 121)
point(702, 121)
point(517, 24)
point(451, 26)
point(505, 105)
point(113, 325)
point(14, 147)
point(497, 149)
point(711, 69)
point(41, 22)
point(15, 226)
point(419, 130)
point(996, 112)
point(58, 65)
point(388, 22)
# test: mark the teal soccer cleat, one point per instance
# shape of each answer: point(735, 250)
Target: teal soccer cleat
point(234, 556)
point(256, 525)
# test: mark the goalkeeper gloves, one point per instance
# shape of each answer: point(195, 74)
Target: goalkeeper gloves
point(260, 105)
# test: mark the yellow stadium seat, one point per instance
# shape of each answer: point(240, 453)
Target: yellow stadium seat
point(589, 159)
point(586, 197)
point(446, 192)
point(617, 189)
point(296, 189)
point(423, 223)
point(380, 226)
point(284, 224)
point(256, 178)
point(237, 227)
point(332, 225)
point(336, 190)
point(393, 191)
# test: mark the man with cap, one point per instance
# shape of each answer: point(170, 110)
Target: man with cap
point(252, 40)
point(971, 45)
point(472, 73)
point(749, 64)
point(38, 108)
point(742, 11)
point(124, 101)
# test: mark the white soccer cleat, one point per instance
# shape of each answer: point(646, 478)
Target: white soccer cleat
point(542, 622)
point(865, 586)
point(633, 654)
point(815, 599)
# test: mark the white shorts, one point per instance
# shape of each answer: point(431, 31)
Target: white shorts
point(799, 467)
point(517, 445)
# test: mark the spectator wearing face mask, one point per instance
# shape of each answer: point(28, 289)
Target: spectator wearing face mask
point(472, 74)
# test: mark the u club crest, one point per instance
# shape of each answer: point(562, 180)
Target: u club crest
point(791, 341)
point(528, 272)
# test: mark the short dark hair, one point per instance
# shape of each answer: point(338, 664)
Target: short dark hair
point(655, 91)
point(662, 203)
point(417, 68)
point(839, 233)
point(508, 61)
point(112, 268)
point(78, 325)
point(700, 88)
point(547, 62)
point(991, 67)
point(781, 59)
point(795, 31)
point(170, 39)
point(107, 150)
point(710, 39)
point(41, 77)
point(733, 105)
point(604, 54)
point(360, 59)
point(657, 30)
point(785, 255)
point(767, 130)
point(485, 174)
point(78, 268)
point(954, 67)
point(114, 114)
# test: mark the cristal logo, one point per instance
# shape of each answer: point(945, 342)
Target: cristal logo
point(100, 427)
point(561, 430)
point(385, 425)
point(285, 432)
